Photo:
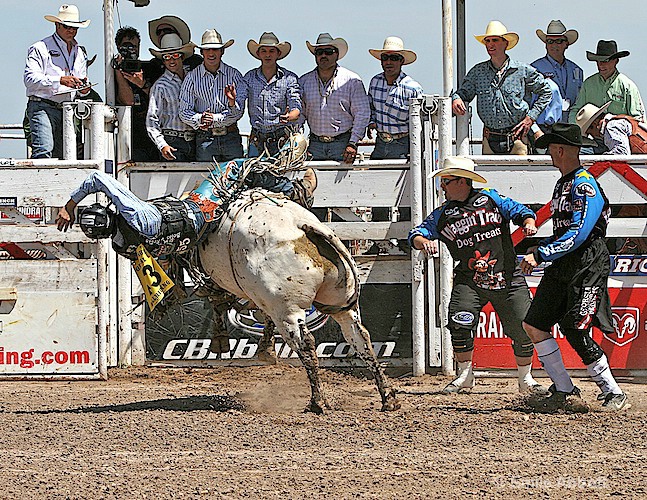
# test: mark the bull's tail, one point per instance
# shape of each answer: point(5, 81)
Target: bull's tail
point(331, 248)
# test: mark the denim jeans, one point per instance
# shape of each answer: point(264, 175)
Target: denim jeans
point(270, 182)
point(46, 124)
point(219, 147)
point(185, 149)
point(399, 148)
point(253, 151)
point(328, 150)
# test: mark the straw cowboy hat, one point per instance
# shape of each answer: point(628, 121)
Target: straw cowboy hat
point(69, 16)
point(175, 22)
point(606, 50)
point(459, 166)
point(564, 133)
point(588, 114)
point(557, 28)
point(394, 45)
point(324, 40)
point(269, 39)
point(171, 44)
point(497, 28)
point(211, 39)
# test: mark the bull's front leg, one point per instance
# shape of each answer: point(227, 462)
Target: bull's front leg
point(308, 356)
point(266, 349)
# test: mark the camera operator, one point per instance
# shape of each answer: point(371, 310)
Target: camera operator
point(133, 87)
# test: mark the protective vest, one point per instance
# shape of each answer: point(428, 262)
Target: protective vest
point(638, 137)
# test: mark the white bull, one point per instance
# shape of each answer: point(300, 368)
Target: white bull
point(281, 257)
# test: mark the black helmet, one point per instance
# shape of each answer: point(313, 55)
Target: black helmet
point(97, 221)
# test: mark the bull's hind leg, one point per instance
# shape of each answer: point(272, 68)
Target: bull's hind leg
point(295, 332)
point(266, 349)
point(357, 335)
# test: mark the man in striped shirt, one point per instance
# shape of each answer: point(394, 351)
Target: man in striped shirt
point(389, 94)
point(272, 94)
point(208, 102)
point(174, 138)
point(335, 103)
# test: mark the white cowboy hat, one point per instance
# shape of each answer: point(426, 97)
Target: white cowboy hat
point(269, 39)
point(394, 45)
point(211, 39)
point(324, 39)
point(171, 44)
point(588, 114)
point(557, 28)
point(180, 26)
point(497, 28)
point(69, 16)
point(459, 166)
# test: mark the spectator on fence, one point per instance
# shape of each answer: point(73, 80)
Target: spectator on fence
point(573, 291)
point(615, 135)
point(500, 85)
point(167, 25)
point(174, 138)
point(335, 103)
point(475, 226)
point(608, 84)
point(133, 86)
point(55, 72)
point(555, 66)
point(208, 102)
point(272, 94)
point(389, 93)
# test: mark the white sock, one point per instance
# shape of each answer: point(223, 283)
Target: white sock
point(465, 373)
point(551, 359)
point(601, 374)
point(525, 377)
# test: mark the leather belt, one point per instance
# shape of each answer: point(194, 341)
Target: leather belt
point(57, 105)
point(269, 136)
point(386, 137)
point(187, 135)
point(331, 138)
point(487, 132)
point(218, 131)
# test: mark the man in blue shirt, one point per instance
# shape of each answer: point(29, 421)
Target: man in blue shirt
point(565, 73)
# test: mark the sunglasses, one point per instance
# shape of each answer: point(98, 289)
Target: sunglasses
point(327, 51)
point(560, 41)
point(391, 57)
point(68, 27)
point(168, 57)
point(165, 31)
point(446, 180)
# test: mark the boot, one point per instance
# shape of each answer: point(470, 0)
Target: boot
point(303, 192)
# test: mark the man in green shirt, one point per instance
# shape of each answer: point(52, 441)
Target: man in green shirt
point(609, 85)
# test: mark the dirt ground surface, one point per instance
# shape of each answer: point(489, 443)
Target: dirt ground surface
point(240, 432)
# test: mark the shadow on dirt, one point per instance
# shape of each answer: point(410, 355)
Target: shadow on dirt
point(189, 403)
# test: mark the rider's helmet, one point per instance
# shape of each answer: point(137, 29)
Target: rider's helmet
point(97, 221)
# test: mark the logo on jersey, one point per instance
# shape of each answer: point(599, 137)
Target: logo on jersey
point(451, 211)
point(463, 318)
point(480, 201)
point(626, 325)
point(585, 189)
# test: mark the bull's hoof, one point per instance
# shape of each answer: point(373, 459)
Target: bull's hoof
point(268, 357)
point(316, 407)
point(391, 402)
point(219, 344)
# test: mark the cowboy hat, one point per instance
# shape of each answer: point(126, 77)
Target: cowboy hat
point(394, 45)
point(606, 50)
point(557, 28)
point(496, 28)
point(588, 114)
point(69, 16)
point(178, 24)
point(564, 133)
point(211, 39)
point(324, 40)
point(171, 44)
point(269, 39)
point(459, 166)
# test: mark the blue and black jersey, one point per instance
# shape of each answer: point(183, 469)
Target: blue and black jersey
point(477, 233)
point(580, 214)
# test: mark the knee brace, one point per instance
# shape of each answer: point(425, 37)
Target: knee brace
point(586, 348)
point(523, 349)
point(462, 339)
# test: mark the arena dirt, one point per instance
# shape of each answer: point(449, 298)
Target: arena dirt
point(240, 432)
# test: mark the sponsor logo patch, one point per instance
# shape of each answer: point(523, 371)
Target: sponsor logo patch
point(585, 189)
point(480, 201)
point(464, 318)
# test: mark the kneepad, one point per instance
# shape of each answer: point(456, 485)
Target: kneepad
point(586, 348)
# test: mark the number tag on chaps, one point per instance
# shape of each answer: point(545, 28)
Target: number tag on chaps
point(154, 280)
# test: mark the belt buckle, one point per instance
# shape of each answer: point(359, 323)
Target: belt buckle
point(386, 137)
point(326, 138)
point(188, 136)
point(219, 131)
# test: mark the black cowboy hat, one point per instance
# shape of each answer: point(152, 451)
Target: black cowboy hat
point(607, 50)
point(564, 133)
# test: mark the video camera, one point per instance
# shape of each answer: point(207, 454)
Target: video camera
point(129, 59)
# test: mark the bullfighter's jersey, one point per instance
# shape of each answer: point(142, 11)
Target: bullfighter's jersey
point(477, 233)
point(580, 214)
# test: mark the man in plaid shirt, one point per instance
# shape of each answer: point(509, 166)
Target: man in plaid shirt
point(389, 94)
